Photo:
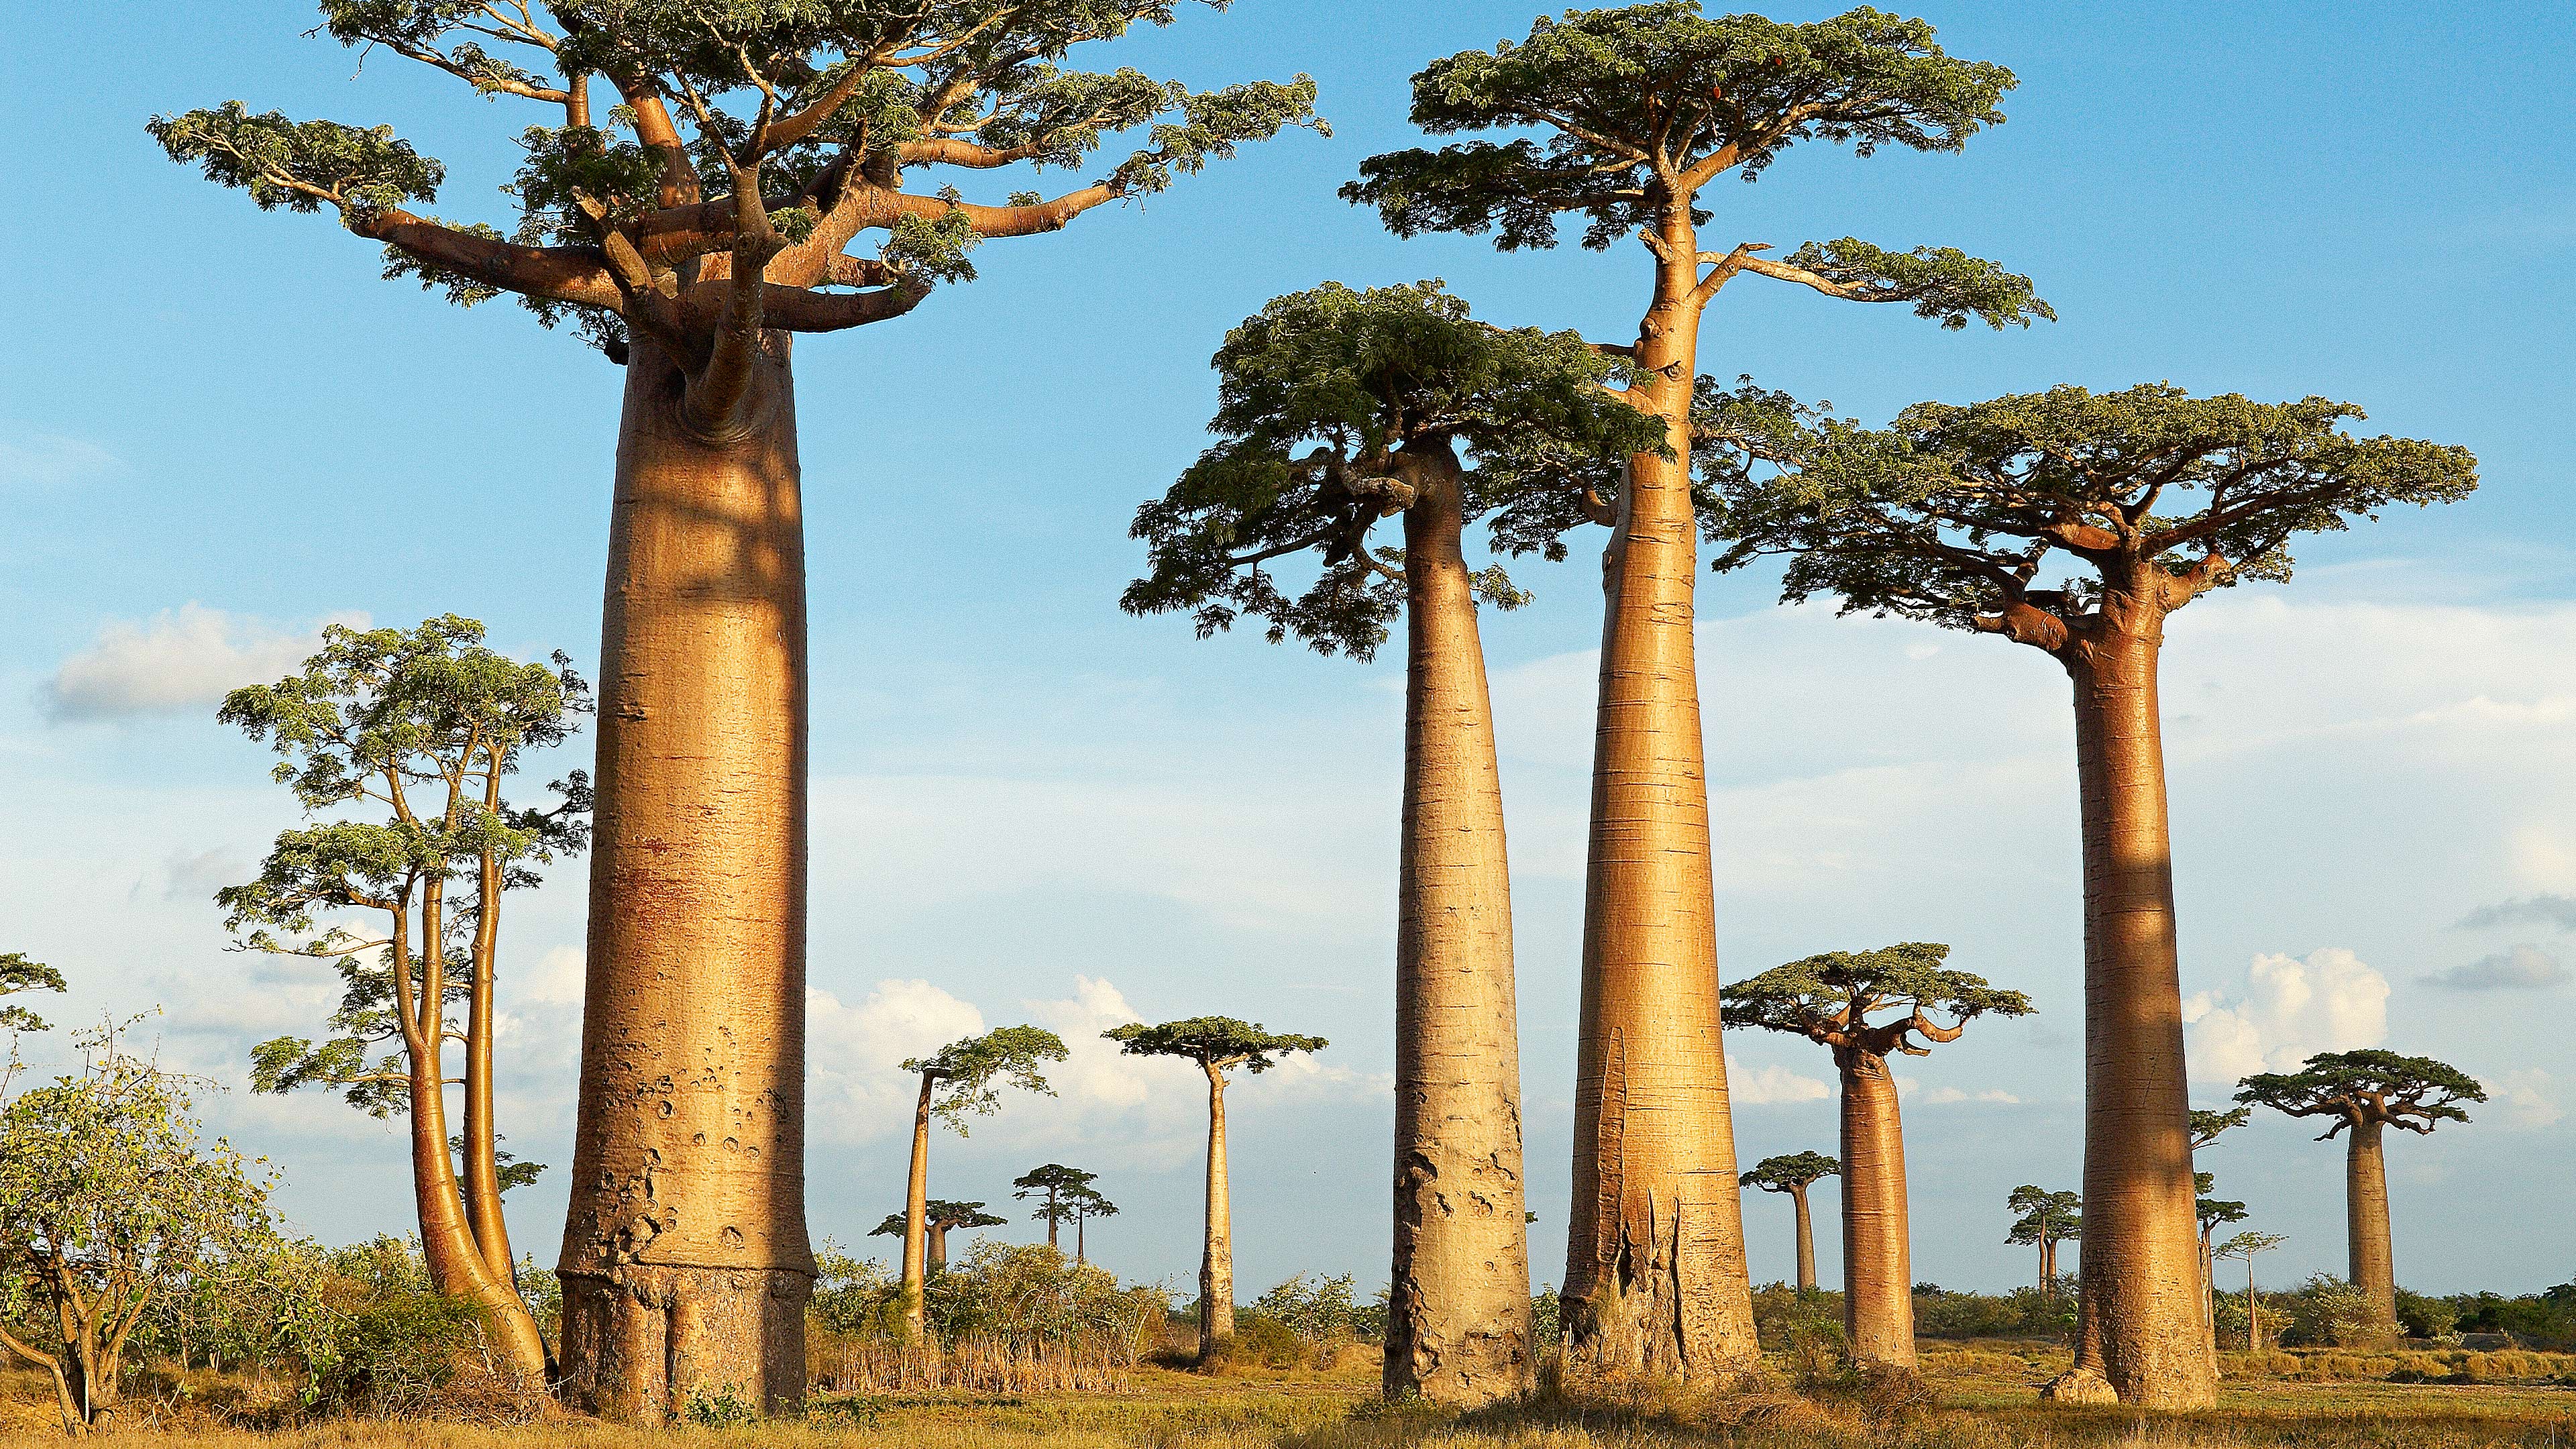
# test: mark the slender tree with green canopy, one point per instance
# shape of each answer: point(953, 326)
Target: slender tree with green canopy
point(1831, 1000)
point(2365, 1093)
point(699, 182)
point(2208, 1125)
point(1051, 1182)
point(938, 1216)
point(2076, 523)
point(1217, 1045)
point(1083, 1204)
point(1639, 111)
point(2247, 1246)
point(1792, 1173)
point(2212, 1213)
point(1338, 408)
point(960, 1082)
point(109, 1197)
point(399, 745)
point(18, 974)
point(2045, 1220)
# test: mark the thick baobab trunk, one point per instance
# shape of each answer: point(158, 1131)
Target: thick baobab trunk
point(2374, 1268)
point(2141, 1336)
point(1216, 1254)
point(916, 1217)
point(1655, 1278)
point(1458, 1319)
point(1878, 1270)
point(1806, 1239)
point(685, 1265)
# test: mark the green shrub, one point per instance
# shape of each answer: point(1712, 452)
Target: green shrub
point(2323, 1312)
point(1259, 1341)
point(2423, 1317)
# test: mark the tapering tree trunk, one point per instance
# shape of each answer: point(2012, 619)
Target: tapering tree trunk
point(2374, 1269)
point(2047, 1269)
point(938, 1247)
point(482, 1170)
point(1655, 1277)
point(1050, 1217)
point(686, 1266)
point(1216, 1255)
point(916, 1217)
point(1079, 1224)
point(1806, 1239)
point(2141, 1336)
point(1878, 1269)
point(1458, 1317)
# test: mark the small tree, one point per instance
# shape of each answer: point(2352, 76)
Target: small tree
point(1641, 113)
point(2045, 1220)
point(1085, 1204)
point(938, 1216)
point(399, 744)
point(17, 974)
point(108, 1198)
point(2366, 1092)
point(2076, 523)
point(960, 1082)
point(2248, 1246)
point(1053, 1182)
point(1830, 1000)
point(2213, 1213)
point(1387, 387)
point(1218, 1045)
point(1791, 1173)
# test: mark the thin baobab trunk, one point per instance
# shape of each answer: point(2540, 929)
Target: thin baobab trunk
point(2141, 1333)
point(1216, 1255)
point(1458, 1319)
point(1878, 1272)
point(2374, 1269)
point(686, 1266)
point(482, 1168)
point(1806, 1238)
point(1655, 1277)
point(1079, 1223)
point(916, 1217)
point(2047, 1267)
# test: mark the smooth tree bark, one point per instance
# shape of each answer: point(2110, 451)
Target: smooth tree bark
point(1830, 999)
point(2364, 1093)
point(1216, 1245)
point(916, 1216)
point(1642, 109)
point(1961, 515)
point(959, 1083)
point(1792, 1174)
point(1391, 383)
point(691, 229)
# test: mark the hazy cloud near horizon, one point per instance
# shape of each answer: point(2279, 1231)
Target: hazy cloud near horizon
point(178, 660)
point(2525, 967)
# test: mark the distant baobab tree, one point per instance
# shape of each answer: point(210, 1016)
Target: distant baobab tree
point(1053, 1182)
point(1642, 112)
point(1216, 1045)
point(1791, 1174)
point(1338, 409)
point(2248, 1246)
point(960, 1082)
point(2076, 523)
point(1831, 1000)
point(2045, 1220)
point(938, 1218)
point(398, 745)
point(758, 171)
point(1083, 1204)
point(2366, 1092)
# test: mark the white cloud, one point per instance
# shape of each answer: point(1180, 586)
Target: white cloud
point(1946, 1096)
point(50, 460)
point(2546, 910)
point(2517, 968)
point(856, 1090)
point(2529, 1098)
point(2290, 1009)
point(178, 660)
point(1771, 1084)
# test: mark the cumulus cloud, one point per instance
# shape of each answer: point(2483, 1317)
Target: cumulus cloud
point(178, 660)
point(1771, 1085)
point(2529, 1098)
point(2544, 910)
point(50, 460)
point(2519, 968)
point(2290, 1009)
point(856, 1089)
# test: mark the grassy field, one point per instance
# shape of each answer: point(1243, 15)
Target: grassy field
point(1983, 1397)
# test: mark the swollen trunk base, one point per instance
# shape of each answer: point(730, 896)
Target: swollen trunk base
point(644, 1344)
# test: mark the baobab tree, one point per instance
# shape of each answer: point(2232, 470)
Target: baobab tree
point(759, 171)
point(938, 1217)
point(1052, 1182)
point(398, 745)
point(1217, 1045)
point(1380, 391)
point(2076, 523)
point(1791, 1174)
point(1830, 1000)
point(2247, 1246)
point(2046, 1219)
point(2212, 1213)
point(1643, 109)
point(960, 1082)
point(2365, 1093)
point(1083, 1204)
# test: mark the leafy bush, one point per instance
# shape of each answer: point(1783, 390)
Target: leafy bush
point(2540, 1320)
point(2325, 1312)
point(2422, 1317)
point(1259, 1341)
point(1321, 1312)
point(1547, 1319)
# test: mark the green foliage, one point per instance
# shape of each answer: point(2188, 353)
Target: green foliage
point(1321, 1310)
point(1944, 284)
point(1972, 517)
point(2207, 1126)
point(1374, 382)
point(2022, 1313)
point(1630, 97)
point(1547, 1320)
point(2324, 1312)
point(1029, 1293)
point(1216, 1042)
point(1259, 1341)
point(1829, 998)
point(2541, 1320)
point(299, 165)
point(2044, 1216)
point(972, 1071)
point(1065, 1194)
point(1790, 1170)
point(939, 1215)
point(852, 1295)
point(2415, 1093)
point(2213, 1212)
point(17, 974)
point(2423, 1317)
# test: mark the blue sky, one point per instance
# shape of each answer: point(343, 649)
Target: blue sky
point(219, 429)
